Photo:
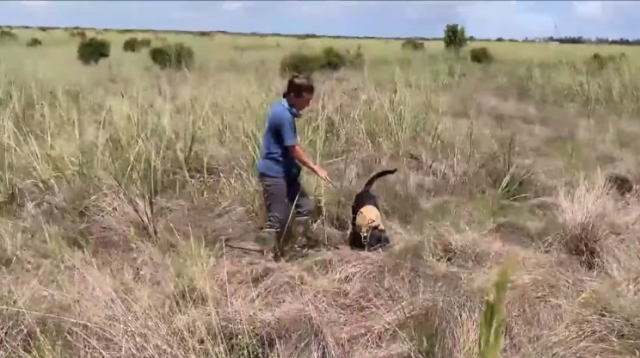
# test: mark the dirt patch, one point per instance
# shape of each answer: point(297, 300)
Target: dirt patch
point(513, 233)
point(114, 226)
point(212, 222)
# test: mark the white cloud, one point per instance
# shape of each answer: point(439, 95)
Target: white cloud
point(588, 9)
point(319, 9)
point(35, 3)
point(233, 5)
point(504, 19)
point(608, 11)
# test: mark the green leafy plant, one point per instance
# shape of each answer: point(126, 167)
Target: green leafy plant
point(34, 42)
point(332, 59)
point(481, 55)
point(142, 43)
point(78, 34)
point(329, 59)
point(413, 44)
point(176, 56)
point(299, 62)
point(130, 45)
point(455, 37)
point(493, 320)
point(600, 62)
point(6, 35)
point(93, 50)
point(355, 58)
point(512, 185)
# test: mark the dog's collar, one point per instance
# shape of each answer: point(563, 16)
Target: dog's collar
point(371, 229)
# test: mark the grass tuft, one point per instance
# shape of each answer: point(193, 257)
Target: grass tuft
point(126, 191)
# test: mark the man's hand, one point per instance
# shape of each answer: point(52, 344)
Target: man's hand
point(322, 174)
point(299, 155)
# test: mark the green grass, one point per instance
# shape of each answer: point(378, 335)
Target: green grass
point(120, 182)
point(494, 320)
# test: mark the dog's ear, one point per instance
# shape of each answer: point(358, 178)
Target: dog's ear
point(355, 240)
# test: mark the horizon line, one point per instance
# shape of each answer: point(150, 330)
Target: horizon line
point(240, 33)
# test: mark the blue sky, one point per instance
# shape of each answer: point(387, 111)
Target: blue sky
point(509, 19)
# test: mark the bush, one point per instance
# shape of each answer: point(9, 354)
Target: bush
point(176, 56)
point(332, 59)
point(34, 42)
point(7, 35)
point(413, 44)
point(329, 59)
point(142, 43)
point(93, 50)
point(79, 34)
point(299, 62)
point(355, 59)
point(599, 62)
point(481, 55)
point(455, 37)
point(130, 45)
point(161, 39)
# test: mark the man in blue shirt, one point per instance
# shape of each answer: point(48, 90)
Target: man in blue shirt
point(279, 167)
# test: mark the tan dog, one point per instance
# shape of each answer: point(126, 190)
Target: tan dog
point(367, 229)
point(368, 218)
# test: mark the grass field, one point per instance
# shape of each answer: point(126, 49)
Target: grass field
point(121, 182)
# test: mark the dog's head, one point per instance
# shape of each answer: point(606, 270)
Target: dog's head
point(377, 239)
point(368, 218)
point(370, 228)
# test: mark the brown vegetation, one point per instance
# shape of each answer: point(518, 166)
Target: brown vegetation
point(121, 185)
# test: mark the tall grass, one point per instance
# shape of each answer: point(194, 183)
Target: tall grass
point(121, 183)
point(494, 320)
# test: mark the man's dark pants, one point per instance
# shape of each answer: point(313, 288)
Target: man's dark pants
point(281, 195)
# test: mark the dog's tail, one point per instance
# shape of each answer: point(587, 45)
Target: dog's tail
point(377, 176)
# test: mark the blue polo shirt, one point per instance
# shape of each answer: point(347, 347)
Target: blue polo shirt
point(280, 133)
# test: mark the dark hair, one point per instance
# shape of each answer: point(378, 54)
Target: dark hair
point(298, 85)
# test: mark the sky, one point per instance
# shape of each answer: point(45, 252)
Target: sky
point(482, 19)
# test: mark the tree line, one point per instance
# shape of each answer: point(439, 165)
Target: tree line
point(562, 40)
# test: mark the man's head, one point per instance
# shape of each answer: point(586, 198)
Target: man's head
point(299, 92)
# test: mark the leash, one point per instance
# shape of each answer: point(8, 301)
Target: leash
point(333, 185)
point(365, 235)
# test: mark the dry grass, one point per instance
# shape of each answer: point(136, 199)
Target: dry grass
point(120, 184)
